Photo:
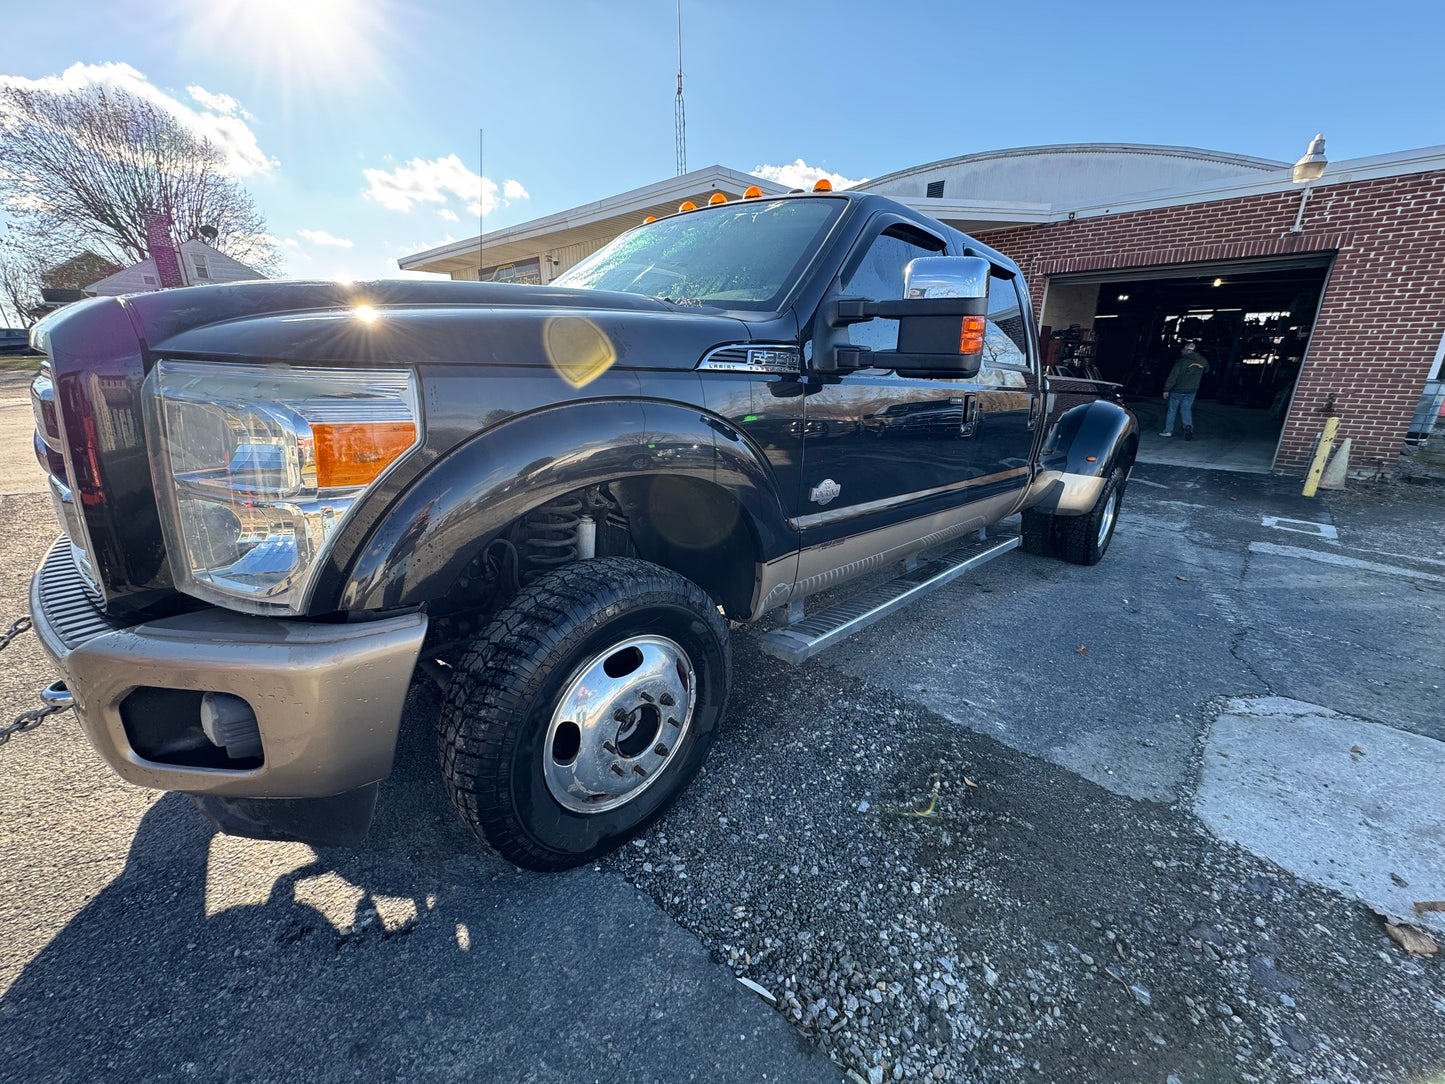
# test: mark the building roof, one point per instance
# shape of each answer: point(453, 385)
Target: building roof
point(984, 191)
point(142, 277)
point(599, 221)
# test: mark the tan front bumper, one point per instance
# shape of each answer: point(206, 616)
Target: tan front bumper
point(327, 697)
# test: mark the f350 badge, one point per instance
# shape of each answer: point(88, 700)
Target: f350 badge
point(825, 492)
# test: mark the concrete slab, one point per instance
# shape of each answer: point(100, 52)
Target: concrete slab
point(19, 472)
point(1225, 437)
point(1352, 805)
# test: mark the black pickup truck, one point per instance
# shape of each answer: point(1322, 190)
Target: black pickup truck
point(281, 501)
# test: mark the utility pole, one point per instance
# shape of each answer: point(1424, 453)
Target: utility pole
point(679, 111)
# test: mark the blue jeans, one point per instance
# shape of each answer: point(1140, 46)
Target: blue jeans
point(1182, 404)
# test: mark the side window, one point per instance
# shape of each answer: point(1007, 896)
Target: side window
point(1005, 339)
point(880, 277)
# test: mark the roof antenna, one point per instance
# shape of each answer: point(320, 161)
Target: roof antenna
point(481, 197)
point(679, 111)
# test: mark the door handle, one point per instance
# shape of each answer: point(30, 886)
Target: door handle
point(1033, 410)
point(971, 415)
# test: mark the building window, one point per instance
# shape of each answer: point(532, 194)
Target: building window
point(935, 189)
point(149, 279)
point(528, 272)
point(202, 271)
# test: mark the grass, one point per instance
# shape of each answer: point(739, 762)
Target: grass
point(21, 363)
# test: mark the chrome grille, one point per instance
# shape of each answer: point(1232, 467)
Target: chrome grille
point(51, 453)
point(67, 602)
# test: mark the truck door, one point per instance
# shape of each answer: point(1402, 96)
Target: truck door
point(889, 458)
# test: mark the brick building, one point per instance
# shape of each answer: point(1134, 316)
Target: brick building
point(1304, 296)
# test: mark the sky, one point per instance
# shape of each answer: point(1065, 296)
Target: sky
point(354, 123)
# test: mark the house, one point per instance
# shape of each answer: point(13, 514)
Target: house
point(200, 265)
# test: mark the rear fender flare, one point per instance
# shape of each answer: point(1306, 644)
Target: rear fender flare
point(1079, 453)
point(421, 546)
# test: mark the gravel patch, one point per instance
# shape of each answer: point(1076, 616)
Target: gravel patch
point(1031, 926)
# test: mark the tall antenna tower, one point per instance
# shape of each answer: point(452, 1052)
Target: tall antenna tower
point(679, 110)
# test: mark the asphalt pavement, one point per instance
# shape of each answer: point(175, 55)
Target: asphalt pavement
point(982, 840)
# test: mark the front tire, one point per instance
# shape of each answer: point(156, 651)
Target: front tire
point(583, 710)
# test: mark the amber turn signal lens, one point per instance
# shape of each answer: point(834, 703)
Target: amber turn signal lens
point(717, 197)
point(649, 218)
point(687, 205)
point(970, 335)
point(753, 192)
point(353, 454)
point(823, 185)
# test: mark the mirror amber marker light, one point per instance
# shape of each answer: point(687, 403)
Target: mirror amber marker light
point(970, 335)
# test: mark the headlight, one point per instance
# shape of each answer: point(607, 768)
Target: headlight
point(256, 466)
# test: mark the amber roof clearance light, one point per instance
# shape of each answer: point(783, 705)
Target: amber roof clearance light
point(687, 205)
point(716, 198)
point(649, 218)
point(822, 184)
point(753, 192)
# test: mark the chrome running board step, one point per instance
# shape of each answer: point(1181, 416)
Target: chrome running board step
point(803, 639)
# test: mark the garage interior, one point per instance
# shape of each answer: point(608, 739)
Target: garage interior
point(1251, 321)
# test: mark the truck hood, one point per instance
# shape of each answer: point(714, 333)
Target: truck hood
point(433, 323)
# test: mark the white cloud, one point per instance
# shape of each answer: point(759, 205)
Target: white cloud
point(216, 103)
point(448, 214)
point(801, 175)
point(221, 120)
point(438, 180)
point(321, 237)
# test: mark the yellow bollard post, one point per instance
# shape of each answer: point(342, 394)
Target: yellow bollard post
point(1322, 453)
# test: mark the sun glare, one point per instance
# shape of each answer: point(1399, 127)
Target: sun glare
point(306, 46)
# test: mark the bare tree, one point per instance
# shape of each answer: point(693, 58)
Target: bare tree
point(19, 285)
point(90, 165)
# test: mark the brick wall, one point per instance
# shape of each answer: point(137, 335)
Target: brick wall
point(1384, 303)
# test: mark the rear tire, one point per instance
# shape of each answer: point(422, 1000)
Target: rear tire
point(583, 710)
point(1083, 540)
point(1036, 532)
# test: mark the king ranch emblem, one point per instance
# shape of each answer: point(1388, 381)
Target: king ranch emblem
point(825, 491)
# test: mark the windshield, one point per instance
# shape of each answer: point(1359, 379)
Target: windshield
point(737, 256)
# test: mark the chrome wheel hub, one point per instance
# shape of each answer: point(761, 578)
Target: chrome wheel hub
point(1106, 521)
point(620, 720)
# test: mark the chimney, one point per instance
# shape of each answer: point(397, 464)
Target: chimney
point(163, 250)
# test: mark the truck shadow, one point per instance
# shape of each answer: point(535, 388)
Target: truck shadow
point(417, 955)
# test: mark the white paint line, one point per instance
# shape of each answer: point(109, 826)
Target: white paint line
point(1406, 556)
point(1146, 482)
point(1341, 561)
point(1299, 526)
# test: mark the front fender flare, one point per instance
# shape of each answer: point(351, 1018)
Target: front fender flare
point(421, 546)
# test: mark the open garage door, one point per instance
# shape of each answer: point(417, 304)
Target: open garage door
point(1251, 320)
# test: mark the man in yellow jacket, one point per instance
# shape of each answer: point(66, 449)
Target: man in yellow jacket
point(1181, 387)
